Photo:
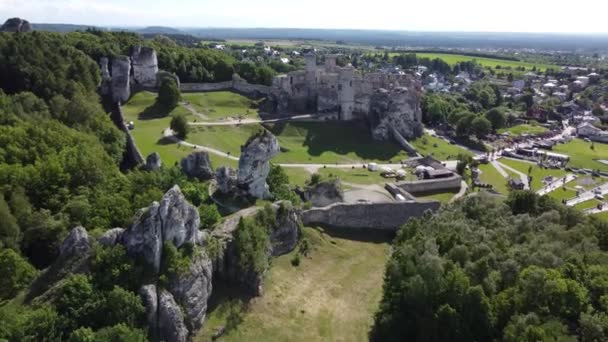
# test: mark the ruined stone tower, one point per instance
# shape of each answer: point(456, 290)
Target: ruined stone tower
point(346, 92)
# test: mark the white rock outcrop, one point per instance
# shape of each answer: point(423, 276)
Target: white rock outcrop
point(145, 65)
point(395, 109)
point(226, 178)
point(153, 162)
point(121, 83)
point(197, 165)
point(172, 219)
point(254, 163)
point(171, 324)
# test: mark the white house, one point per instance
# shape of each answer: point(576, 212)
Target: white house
point(587, 130)
point(584, 80)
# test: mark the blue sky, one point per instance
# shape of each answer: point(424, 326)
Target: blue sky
point(580, 16)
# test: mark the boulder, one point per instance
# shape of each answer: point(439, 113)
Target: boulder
point(172, 219)
point(226, 178)
point(153, 162)
point(193, 289)
point(324, 193)
point(121, 83)
point(111, 237)
point(145, 65)
point(197, 165)
point(76, 243)
point(284, 237)
point(397, 109)
point(16, 25)
point(171, 325)
point(149, 297)
point(254, 163)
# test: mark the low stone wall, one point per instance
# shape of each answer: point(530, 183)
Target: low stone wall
point(238, 85)
point(196, 87)
point(432, 185)
point(388, 216)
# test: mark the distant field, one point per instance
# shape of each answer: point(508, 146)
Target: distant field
point(520, 130)
point(582, 156)
point(331, 296)
point(453, 59)
point(437, 148)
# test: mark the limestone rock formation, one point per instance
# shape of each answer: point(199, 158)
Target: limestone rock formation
point(76, 243)
point(197, 165)
point(145, 65)
point(193, 289)
point(173, 219)
point(74, 254)
point(16, 25)
point(284, 237)
point(395, 109)
point(105, 87)
point(149, 297)
point(325, 193)
point(254, 163)
point(111, 237)
point(121, 83)
point(171, 325)
point(153, 162)
point(226, 178)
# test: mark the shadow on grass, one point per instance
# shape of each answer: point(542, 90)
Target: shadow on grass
point(358, 234)
point(155, 111)
point(338, 137)
point(165, 141)
point(229, 303)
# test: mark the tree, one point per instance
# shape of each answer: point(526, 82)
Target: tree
point(168, 93)
point(9, 230)
point(497, 118)
point(523, 201)
point(179, 125)
point(121, 306)
point(16, 272)
point(464, 125)
point(480, 126)
point(209, 215)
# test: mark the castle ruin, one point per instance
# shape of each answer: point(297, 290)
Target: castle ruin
point(389, 102)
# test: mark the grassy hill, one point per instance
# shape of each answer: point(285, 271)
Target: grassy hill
point(331, 296)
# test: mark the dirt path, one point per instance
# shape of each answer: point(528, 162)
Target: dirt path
point(194, 111)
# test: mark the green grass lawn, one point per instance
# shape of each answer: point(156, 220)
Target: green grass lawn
point(563, 194)
point(587, 205)
point(538, 174)
point(490, 175)
point(331, 296)
point(582, 156)
point(297, 175)
point(306, 143)
point(443, 197)
point(150, 121)
point(523, 129)
point(220, 104)
point(356, 176)
point(485, 61)
point(438, 148)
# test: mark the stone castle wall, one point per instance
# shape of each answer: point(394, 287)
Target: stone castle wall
point(432, 185)
point(239, 85)
point(389, 216)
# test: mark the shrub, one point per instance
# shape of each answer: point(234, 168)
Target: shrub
point(179, 125)
point(168, 93)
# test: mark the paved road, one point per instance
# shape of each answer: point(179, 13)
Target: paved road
point(589, 195)
point(556, 184)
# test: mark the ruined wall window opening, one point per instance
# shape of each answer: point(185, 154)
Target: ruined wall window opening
point(351, 83)
point(291, 80)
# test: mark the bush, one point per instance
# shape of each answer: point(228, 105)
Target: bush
point(251, 241)
point(179, 125)
point(209, 215)
point(295, 261)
